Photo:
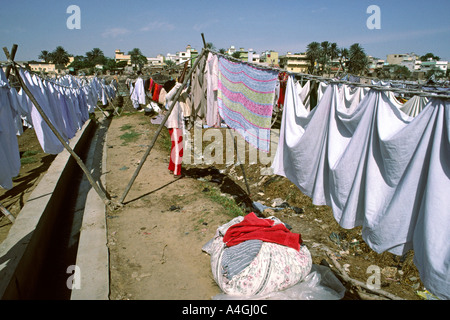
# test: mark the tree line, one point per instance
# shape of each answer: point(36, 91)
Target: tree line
point(87, 63)
point(322, 56)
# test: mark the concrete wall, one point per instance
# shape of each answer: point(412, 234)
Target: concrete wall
point(23, 252)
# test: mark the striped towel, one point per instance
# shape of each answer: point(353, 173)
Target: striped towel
point(245, 98)
point(237, 258)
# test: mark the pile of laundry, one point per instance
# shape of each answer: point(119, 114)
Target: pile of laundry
point(254, 257)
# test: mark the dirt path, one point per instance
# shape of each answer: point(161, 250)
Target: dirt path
point(155, 240)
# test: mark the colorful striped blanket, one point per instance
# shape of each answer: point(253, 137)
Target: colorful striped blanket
point(245, 100)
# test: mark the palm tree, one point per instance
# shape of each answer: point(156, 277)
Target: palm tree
point(313, 53)
point(343, 55)
point(210, 46)
point(334, 51)
point(358, 59)
point(137, 58)
point(46, 56)
point(60, 56)
point(95, 56)
point(324, 55)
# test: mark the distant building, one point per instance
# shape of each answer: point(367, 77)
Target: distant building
point(270, 58)
point(158, 61)
point(398, 58)
point(375, 63)
point(43, 67)
point(120, 56)
point(171, 57)
point(189, 55)
point(231, 50)
point(182, 56)
point(432, 65)
point(294, 62)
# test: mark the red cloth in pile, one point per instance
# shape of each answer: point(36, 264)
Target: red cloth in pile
point(254, 228)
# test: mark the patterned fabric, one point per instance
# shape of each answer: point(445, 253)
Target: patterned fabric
point(245, 100)
point(238, 257)
point(275, 268)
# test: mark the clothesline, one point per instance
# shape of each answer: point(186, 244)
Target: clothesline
point(428, 93)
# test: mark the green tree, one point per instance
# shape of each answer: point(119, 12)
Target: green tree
point(79, 62)
point(313, 52)
point(324, 56)
point(343, 56)
point(357, 59)
point(210, 46)
point(334, 51)
point(95, 56)
point(170, 63)
point(236, 55)
point(223, 51)
point(429, 55)
point(401, 73)
point(45, 55)
point(137, 58)
point(60, 57)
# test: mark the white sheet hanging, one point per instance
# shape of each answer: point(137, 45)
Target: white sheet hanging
point(47, 139)
point(321, 90)
point(9, 148)
point(414, 106)
point(379, 169)
point(303, 93)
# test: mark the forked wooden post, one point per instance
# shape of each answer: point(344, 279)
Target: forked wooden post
point(158, 131)
point(13, 56)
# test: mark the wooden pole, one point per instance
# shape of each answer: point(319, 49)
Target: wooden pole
point(57, 134)
point(7, 213)
point(204, 42)
point(240, 163)
point(13, 55)
point(158, 131)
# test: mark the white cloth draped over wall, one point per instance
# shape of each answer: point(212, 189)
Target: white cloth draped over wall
point(67, 102)
point(378, 168)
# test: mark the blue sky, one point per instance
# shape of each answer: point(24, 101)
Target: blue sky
point(161, 27)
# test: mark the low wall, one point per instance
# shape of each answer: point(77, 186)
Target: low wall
point(22, 253)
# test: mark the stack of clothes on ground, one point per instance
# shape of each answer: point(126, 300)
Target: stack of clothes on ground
point(252, 256)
